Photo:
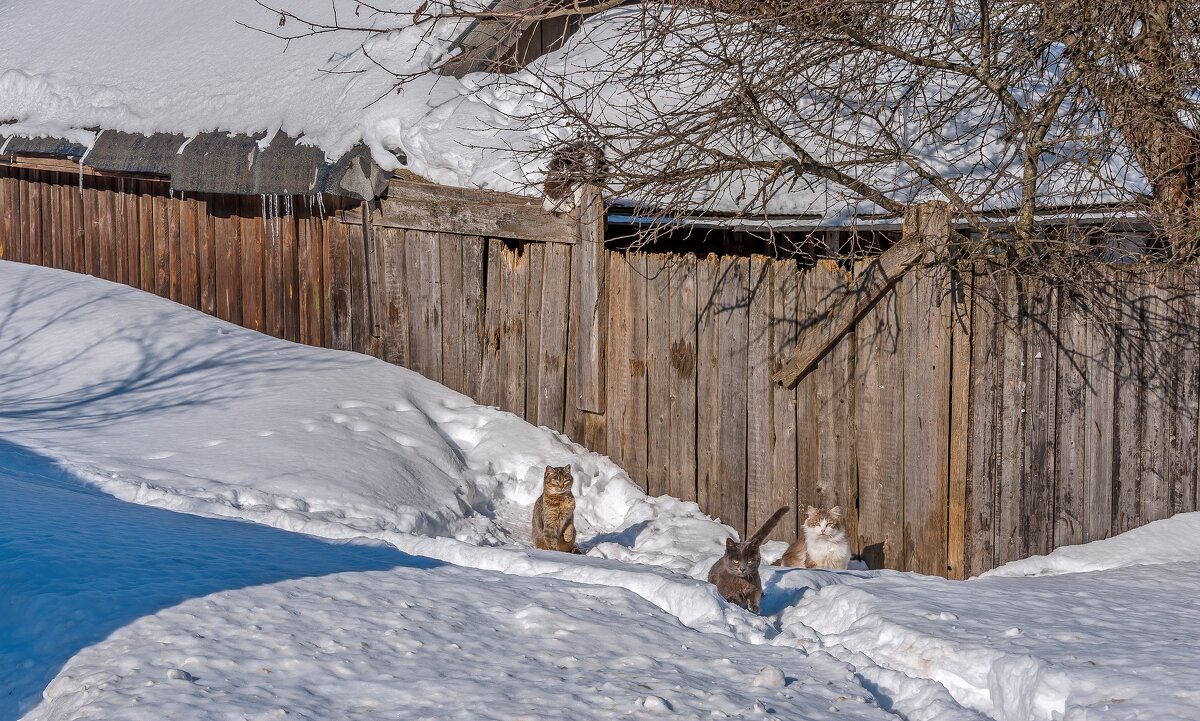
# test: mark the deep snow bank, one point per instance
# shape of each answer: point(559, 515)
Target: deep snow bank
point(1166, 541)
point(1115, 642)
point(164, 406)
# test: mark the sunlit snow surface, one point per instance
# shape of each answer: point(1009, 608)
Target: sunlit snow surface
point(118, 410)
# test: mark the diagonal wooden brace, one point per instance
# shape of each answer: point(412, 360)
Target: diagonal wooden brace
point(925, 226)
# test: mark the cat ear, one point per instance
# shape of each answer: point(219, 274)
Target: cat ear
point(813, 511)
point(836, 511)
point(730, 545)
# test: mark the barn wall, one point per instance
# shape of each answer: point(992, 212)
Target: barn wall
point(966, 420)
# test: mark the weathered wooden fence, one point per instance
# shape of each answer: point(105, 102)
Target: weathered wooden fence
point(963, 421)
point(270, 264)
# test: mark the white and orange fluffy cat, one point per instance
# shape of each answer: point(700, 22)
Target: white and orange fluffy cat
point(822, 542)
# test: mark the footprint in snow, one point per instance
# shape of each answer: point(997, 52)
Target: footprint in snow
point(159, 456)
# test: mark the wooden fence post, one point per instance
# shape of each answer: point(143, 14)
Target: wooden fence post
point(588, 316)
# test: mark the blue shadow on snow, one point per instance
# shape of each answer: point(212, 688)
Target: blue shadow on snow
point(77, 564)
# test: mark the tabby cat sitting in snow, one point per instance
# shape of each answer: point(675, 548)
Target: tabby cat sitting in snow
point(554, 512)
point(821, 543)
point(736, 573)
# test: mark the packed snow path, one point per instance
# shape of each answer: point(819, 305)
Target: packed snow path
point(141, 613)
point(114, 610)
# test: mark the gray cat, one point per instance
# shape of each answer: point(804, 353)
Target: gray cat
point(736, 573)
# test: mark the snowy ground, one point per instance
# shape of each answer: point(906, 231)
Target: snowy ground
point(137, 438)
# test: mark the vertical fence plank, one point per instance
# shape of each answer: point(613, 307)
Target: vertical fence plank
point(391, 246)
point(147, 231)
point(633, 438)
point(310, 278)
point(785, 324)
point(762, 497)
point(1184, 389)
point(35, 206)
point(52, 228)
point(556, 291)
point(535, 257)
point(227, 234)
point(504, 351)
point(960, 428)
point(1130, 403)
point(1038, 478)
point(109, 252)
point(189, 261)
point(835, 481)
point(982, 460)
point(169, 223)
point(1072, 424)
point(617, 356)
point(926, 418)
point(275, 213)
point(658, 372)
point(288, 228)
point(1154, 498)
point(474, 281)
point(588, 324)
point(1011, 432)
point(733, 324)
point(450, 304)
point(337, 234)
point(513, 268)
point(708, 381)
point(8, 215)
point(422, 268)
point(682, 309)
point(810, 295)
point(879, 401)
point(252, 246)
point(1100, 420)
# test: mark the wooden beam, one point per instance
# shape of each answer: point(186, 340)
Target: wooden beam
point(925, 226)
point(63, 165)
point(484, 213)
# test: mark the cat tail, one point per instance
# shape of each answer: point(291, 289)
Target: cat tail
point(761, 534)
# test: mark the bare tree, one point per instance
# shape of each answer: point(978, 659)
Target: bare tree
point(1004, 110)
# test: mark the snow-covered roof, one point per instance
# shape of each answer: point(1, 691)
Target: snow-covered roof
point(78, 75)
point(79, 71)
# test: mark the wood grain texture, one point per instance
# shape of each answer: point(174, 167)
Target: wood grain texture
point(553, 350)
point(391, 246)
point(341, 309)
point(880, 433)
point(588, 314)
point(762, 498)
point(708, 382)
point(733, 328)
point(785, 321)
point(1011, 434)
point(1038, 476)
point(681, 481)
point(658, 372)
point(960, 424)
point(1073, 430)
point(926, 418)
point(474, 281)
point(535, 258)
point(450, 300)
point(440, 209)
point(836, 480)
point(617, 381)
